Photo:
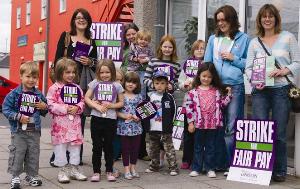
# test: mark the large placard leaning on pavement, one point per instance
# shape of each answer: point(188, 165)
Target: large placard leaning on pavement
point(109, 39)
point(178, 127)
point(253, 154)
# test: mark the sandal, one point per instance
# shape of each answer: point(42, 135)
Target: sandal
point(128, 176)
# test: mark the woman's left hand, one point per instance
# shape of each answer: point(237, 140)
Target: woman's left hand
point(227, 56)
point(85, 61)
point(279, 72)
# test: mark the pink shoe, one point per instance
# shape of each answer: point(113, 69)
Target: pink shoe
point(95, 177)
point(184, 165)
point(110, 177)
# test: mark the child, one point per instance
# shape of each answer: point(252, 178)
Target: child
point(161, 126)
point(66, 132)
point(185, 84)
point(204, 105)
point(166, 60)
point(129, 125)
point(103, 121)
point(24, 150)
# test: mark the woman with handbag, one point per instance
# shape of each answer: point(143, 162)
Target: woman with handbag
point(282, 45)
point(80, 24)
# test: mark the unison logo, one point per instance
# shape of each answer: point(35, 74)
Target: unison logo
point(248, 174)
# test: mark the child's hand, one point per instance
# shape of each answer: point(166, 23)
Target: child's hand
point(24, 119)
point(108, 105)
point(128, 117)
point(191, 128)
point(72, 109)
point(135, 59)
point(260, 86)
point(188, 84)
point(143, 60)
point(101, 108)
point(170, 87)
point(40, 105)
point(229, 93)
point(136, 118)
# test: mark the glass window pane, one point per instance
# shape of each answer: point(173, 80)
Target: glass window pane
point(212, 6)
point(184, 13)
point(289, 11)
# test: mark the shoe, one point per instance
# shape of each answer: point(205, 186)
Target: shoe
point(146, 158)
point(110, 177)
point(33, 181)
point(185, 165)
point(194, 174)
point(81, 163)
point(52, 164)
point(63, 176)
point(278, 178)
point(116, 172)
point(211, 174)
point(15, 183)
point(135, 174)
point(76, 175)
point(226, 173)
point(95, 177)
point(149, 171)
point(128, 176)
point(173, 173)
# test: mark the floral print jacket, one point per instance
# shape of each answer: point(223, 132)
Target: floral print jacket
point(63, 129)
point(191, 104)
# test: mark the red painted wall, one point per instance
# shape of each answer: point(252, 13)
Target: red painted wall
point(59, 22)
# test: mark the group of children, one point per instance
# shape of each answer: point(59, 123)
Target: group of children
point(205, 97)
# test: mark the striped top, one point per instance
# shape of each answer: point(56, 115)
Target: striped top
point(286, 52)
point(154, 63)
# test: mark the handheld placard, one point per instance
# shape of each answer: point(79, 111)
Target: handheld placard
point(26, 103)
point(71, 95)
point(81, 49)
point(105, 92)
point(191, 67)
point(146, 110)
point(178, 127)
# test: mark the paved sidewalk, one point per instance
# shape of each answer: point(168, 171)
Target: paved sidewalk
point(147, 181)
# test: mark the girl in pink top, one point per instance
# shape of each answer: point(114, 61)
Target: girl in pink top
point(66, 122)
point(203, 106)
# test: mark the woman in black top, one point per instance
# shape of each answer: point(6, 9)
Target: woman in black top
point(80, 24)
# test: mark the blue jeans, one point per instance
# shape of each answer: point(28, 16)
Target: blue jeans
point(220, 150)
point(204, 149)
point(277, 101)
point(235, 110)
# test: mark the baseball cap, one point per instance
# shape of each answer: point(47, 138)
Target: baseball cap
point(160, 73)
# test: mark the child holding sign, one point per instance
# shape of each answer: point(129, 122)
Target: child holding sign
point(204, 105)
point(23, 107)
point(104, 96)
point(129, 125)
point(189, 71)
point(161, 125)
point(66, 104)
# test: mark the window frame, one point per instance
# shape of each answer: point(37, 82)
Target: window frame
point(62, 6)
point(28, 13)
point(43, 9)
point(18, 21)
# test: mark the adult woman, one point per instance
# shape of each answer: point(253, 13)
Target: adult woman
point(284, 47)
point(227, 49)
point(79, 32)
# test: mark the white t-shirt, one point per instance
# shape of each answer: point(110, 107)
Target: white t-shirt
point(156, 122)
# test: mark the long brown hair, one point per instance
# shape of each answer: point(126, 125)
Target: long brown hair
point(87, 16)
point(271, 9)
point(171, 39)
point(230, 17)
point(111, 66)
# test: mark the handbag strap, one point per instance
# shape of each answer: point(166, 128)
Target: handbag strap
point(276, 63)
point(67, 42)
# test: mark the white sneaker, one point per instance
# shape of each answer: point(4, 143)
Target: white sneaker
point(173, 173)
point(76, 175)
point(63, 176)
point(194, 174)
point(211, 174)
point(148, 171)
point(226, 173)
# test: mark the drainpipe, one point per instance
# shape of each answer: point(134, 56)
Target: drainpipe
point(46, 63)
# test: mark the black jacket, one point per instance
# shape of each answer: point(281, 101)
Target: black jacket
point(168, 106)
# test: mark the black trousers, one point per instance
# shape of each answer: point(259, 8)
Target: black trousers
point(188, 144)
point(103, 131)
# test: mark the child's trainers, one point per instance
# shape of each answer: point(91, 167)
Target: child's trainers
point(63, 176)
point(95, 177)
point(173, 173)
point(128, 176)
point(116, 172)
point(211, 174)
point(15, 183)
point(33, 181)
point(76, 175)
point(194, 174)
point(110, 177)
